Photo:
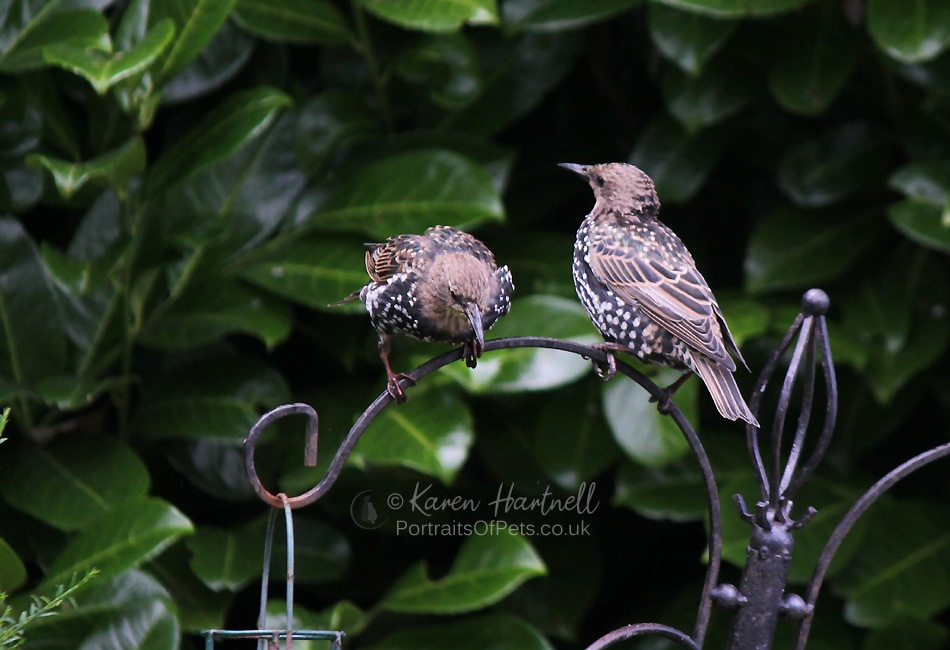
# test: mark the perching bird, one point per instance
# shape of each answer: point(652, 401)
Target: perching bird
point(442, 285)
point(642, 290)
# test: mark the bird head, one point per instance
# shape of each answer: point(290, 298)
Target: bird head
point(619, 185)
point(460, 288)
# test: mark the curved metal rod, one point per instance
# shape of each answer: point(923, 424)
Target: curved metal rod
point(848, 521)
point(831, 410)
point(804, 414)
point(591, 352)
point(752, 432)
point(644, 629)
point(781, 411)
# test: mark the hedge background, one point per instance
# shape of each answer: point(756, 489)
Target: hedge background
point(187, 184)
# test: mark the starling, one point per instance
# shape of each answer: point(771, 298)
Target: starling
point(442, 285)
point(641, 288)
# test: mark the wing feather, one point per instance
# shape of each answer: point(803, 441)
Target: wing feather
point(670, 291)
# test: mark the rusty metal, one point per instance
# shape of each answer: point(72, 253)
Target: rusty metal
point(760, 599)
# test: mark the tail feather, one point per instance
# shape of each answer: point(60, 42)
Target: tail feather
point(725, 392)
point(350, 298)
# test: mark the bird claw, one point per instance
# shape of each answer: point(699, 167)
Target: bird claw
point(395, 390)
point(471, 351)
point(664, 403)
point(607, 371)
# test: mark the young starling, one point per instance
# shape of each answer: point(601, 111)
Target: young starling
point(442, 285)
point(642, 290)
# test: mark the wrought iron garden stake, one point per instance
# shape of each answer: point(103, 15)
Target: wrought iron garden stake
point(760, 599)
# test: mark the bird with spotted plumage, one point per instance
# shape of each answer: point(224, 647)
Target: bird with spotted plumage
point(442, 285)
point(643, 292)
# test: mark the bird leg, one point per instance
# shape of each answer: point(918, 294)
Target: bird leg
point(393, 378)
point(607, 371)
point(665, 401)
point(471, 351)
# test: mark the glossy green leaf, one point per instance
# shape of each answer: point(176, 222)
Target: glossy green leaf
point(797, 249)
point(315, 271)
point(555, 15)
point(839, 163)
point(524, 72)
point(104, 70)
point(131, 610)
point(897, 312)
point(526, 369)
point(496, 631)
point(55, 24)
point(129, 535)
point(447, 65)
point(687, 38)
point(676, 491)
point(221, 60)
point(928, 180)
point(646, 436)
point(331, 123)
point(226, 560)
point(196, 23)
point(293, 21)
point(207, 395)
point(115, 168)
point(815, 56)
point(344, 616)
point(250, 193)
point(558, 605)
point(747, 318)
point(434, 15)
point(910, 32)
point(902, 568)
point(224, 131)
point(572, 440)
point(206, 312)
point(198, 607)
point(431, 433)
point(486, 569)
point(678, 162)
point(12, 570)
point(735, 8)
point(75, 480)
point(717, 93)
point(32, 337)
point(410, 192)
point(923, 222)
point(925, 216)
point(908, 634)
point(321, 554)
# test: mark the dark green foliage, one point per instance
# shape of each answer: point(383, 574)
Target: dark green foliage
point(187, 184)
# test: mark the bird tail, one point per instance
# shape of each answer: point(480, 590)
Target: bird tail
point(350, 298)
point(725, 392)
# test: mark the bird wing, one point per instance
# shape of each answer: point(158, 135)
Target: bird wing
point(451, 239)
point(393, 256)
point(671, 292)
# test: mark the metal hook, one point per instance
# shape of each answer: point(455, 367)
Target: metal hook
point(310, 450)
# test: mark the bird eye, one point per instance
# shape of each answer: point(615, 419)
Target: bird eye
point(600, 181)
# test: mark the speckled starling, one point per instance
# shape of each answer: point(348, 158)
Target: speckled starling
point(442, 285)
point(641, 288)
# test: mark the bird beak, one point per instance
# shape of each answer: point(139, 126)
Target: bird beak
point(475, 318)
point(577, 169)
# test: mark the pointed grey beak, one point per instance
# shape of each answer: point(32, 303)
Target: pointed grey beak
point(475, 318)
point(577, 169)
